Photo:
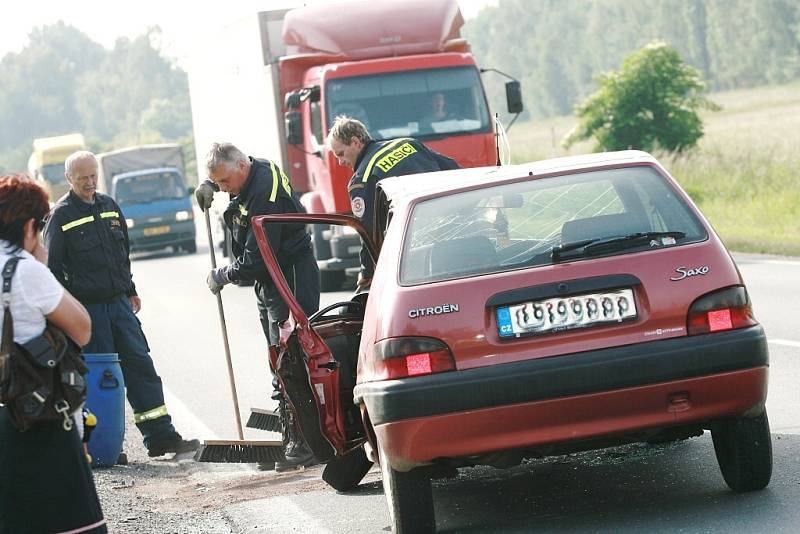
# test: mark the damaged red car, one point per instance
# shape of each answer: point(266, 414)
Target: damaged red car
point(524, 311)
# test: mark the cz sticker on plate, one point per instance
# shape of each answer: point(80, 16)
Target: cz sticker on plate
point(565, 313)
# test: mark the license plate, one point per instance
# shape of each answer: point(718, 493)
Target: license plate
point(156, 230)
point(565, 313)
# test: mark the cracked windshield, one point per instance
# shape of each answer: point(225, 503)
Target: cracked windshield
point(518, 225)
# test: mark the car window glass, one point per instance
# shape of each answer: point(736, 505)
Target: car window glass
point(512, 226)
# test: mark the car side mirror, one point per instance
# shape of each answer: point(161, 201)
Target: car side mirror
point(190, 191)
point(514, 97)
point(294, 131)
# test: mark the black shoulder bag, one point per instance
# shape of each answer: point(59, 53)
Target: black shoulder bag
point(42, 379)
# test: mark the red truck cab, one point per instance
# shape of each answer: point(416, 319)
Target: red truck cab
point(284, 75)
point(401, 76)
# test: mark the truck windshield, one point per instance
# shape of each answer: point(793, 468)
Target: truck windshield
point(419, 103)
point(149, 187)
point(53, 173)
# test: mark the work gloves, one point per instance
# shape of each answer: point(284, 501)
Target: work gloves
point(217, 279)
point(204, 194)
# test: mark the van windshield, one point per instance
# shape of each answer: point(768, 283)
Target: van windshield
point(419, 103)
point(149, 187)
point(54, 173)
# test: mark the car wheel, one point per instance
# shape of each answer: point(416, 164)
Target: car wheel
point(409, 497)
point(345, 473)
point(744, 452)
point(331, 280)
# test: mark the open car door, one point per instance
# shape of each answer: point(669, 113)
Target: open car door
point(315, 360)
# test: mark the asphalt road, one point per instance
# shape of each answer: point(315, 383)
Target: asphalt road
point(674, 488)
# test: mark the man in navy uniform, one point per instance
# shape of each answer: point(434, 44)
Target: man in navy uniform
point(372, 161)
point(88, 252)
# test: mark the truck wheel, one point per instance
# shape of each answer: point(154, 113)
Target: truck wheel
point(190, 246)
point(744, 452)
point(331, 280)
point(409, 497)
point(345, 473)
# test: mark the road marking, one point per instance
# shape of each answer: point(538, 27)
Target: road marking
point(185, 421)
point(784, 342)
point(781, 262)
point(190, 426)
point(284, 516)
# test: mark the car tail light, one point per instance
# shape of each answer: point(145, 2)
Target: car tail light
point(726, 309)
point(402, 357)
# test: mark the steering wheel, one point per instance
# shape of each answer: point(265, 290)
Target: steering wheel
point(357, 307)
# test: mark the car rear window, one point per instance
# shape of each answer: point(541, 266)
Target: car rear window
point(515, 226)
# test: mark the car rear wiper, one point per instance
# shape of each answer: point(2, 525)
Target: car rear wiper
point(558, 250)
point(608, 244)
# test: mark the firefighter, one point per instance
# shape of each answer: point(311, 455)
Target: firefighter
point(260, 187)
point(88, 252)
point(372, 161)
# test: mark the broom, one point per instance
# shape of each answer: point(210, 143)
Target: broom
point(264, 420)
point(234, 451)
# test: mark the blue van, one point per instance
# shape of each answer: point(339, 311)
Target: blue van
point(157, 207)
point(149, 184)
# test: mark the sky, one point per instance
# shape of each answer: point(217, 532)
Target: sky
point(181, 23)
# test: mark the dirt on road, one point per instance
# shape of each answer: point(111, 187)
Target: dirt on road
point(166, 495)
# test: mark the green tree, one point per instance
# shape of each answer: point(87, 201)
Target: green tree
point(651, 102)
point(132, 86)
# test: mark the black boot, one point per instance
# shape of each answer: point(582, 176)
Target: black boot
point(295, 449)
point(174, 443)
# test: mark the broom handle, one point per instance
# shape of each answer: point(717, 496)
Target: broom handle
point(224, 329)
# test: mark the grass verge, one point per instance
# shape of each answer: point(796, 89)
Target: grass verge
point(744, 174)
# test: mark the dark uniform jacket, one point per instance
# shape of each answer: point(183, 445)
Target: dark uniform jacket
point(266, 192)
point(88, 249)
point(382, 159)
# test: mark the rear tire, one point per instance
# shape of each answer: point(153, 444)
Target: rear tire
point(345, 473)
point(744, 452)
point(190, 246)
point(410, 499)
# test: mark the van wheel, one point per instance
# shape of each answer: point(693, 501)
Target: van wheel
point(409, 497)
point(345, 473)
point(744, 452)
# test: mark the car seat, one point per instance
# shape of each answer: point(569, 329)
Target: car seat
point(599, 227)
point(462, 255)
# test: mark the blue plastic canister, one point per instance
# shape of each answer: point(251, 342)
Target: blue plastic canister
point(105, 398)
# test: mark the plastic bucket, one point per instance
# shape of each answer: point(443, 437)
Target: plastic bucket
point(105, 398)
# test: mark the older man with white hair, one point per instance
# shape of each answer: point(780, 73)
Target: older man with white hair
point(88, 252)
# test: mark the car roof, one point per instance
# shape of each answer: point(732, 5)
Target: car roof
point(404, 189)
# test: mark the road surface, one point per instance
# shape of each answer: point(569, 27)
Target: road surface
point(673, 488)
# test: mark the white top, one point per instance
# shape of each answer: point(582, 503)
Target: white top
point(35, 292)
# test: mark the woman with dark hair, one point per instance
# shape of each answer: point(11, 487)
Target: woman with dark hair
point(46, 485)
